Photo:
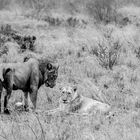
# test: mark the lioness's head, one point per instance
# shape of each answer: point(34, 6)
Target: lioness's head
point(68, 94)
point(50, 75)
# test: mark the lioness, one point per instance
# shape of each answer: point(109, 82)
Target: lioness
point(27, 76)
point(71, 101)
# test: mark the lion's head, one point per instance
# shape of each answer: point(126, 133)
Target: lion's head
point(68, 94)
point(48, 69)
point(51, 75)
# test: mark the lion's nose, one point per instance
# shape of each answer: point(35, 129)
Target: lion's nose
point(64, 100)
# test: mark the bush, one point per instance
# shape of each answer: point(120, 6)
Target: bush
point(103, 10)
point(8, 34)
point(4, 3)
point(107, 50)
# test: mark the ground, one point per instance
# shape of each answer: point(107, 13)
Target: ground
point(103, 60)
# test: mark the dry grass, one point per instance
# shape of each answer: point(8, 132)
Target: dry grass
point(76, 49)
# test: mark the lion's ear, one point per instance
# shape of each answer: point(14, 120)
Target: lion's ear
point(74, 88)
point(49, 66)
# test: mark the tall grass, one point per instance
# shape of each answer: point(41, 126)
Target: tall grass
point(112, 76)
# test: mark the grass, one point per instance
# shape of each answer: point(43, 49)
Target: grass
point(75, 49)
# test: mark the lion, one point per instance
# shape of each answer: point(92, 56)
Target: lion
point(27, 76)
point(72, 101)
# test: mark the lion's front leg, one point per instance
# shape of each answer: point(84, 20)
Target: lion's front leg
point(6, 99)
point(26, 106)
point(34, 81)
point(1, 88)
point(33, 97)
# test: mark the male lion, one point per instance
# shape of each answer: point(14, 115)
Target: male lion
point(27, 76)
point(71, 101)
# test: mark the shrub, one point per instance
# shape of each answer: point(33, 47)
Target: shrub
point(8, 34)
point(107, 50)
point(102, 10)
point(4, 3)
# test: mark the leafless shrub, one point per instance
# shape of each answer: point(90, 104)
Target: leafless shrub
point(107, 50)
point(5, 29)
point(4, 3)
point(71, 7)
point(137, 52)
point(102, 10)
point(3, 135)
point(4, 37)
point(53, 21)
point(41, 127)
point(135, 46)
point(72, 21)
point(38, 5)
point(33, 131)
point(8, 34)
point(127, 2)
point(108, 55)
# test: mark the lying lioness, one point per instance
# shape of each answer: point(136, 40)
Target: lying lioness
point(71, 101)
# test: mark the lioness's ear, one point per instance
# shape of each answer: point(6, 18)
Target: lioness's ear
point(74, 88)
point(49, 66)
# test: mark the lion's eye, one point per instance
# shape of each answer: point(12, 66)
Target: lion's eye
point(69, 93)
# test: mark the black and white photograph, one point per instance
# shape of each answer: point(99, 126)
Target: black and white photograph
point(69, 69)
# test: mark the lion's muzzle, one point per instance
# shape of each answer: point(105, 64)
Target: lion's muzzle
point(49, 84)
point(65, 101)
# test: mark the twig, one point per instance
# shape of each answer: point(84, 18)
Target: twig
point(43, 133)
point(3, 137)
point(13, 131)
point(33, 131)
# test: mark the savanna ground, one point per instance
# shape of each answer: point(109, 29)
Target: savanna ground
point(97, 45)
